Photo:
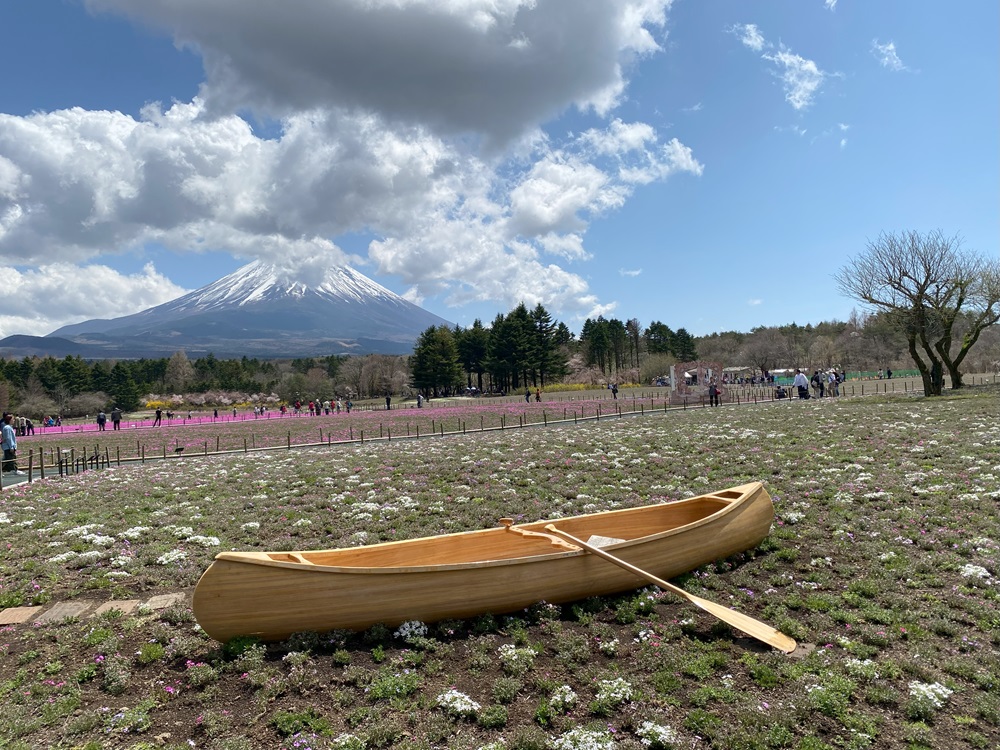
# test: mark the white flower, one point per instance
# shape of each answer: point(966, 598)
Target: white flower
point(457, 704)
point(616, 691)
point(651, 733)
point(563, 699)
point(204, 541)
point(515, 660)
point(81, 530)
point(608, 648)
point(935, 692)
point(348, 742)
point(411, 629)
point(974, 571)
point(172, 556)
point(866, 668)
point(580, 738)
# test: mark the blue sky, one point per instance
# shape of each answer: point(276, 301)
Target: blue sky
point(706, 164)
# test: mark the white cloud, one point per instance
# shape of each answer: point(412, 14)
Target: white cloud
point(754, 302)
point(693, 108)
point(632, 273)
point(493, 67)
point(750, 35)
point(802, 78)
point(416, 121)
point(831, 5)
point(843, 143)
point(886, 55)
point(69, 293)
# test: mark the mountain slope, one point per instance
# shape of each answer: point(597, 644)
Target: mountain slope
point(258, 311)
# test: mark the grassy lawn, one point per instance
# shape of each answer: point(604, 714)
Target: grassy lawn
point(883, 556)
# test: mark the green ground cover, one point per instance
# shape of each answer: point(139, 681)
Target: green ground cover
point(883, 555)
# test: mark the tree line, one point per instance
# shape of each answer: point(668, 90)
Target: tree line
point(928, 303)
point(527, 349)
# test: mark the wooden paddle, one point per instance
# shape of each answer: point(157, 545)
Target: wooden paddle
point(759, 630)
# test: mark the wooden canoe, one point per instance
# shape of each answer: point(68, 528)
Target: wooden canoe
point(271, 595)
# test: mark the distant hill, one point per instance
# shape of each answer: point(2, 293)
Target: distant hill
point(256, 311)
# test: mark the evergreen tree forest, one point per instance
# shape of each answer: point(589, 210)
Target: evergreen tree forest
point(528, 349)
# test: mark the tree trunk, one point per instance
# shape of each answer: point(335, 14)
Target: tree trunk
point(925, 373)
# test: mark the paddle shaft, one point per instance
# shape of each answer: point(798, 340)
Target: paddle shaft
point(747, 624)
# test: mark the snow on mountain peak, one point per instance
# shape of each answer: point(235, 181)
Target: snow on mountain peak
point(258, 281)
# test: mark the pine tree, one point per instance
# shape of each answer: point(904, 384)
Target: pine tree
point(122, 388)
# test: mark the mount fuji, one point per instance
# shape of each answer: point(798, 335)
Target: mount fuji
point(260, 310)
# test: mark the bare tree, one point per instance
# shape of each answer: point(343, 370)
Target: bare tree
point(765, 349)
point(926, 284)
point(824, 352)
point(180, 373)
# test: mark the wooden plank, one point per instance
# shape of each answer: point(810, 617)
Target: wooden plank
point(17, 615)
point(126, 607)
point(63, 611)
point(163, 601)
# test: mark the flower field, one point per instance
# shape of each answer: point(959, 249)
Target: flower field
point(883, 559)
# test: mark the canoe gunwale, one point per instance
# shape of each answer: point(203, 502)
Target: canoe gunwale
point(732, 505)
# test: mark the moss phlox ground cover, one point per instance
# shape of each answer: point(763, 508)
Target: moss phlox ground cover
point(883, 555)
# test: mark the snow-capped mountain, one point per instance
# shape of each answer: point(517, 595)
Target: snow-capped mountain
point(260, 310)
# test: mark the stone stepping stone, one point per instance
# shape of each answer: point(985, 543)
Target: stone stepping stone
point(64, 610)
point(126, 607)
point(166, 600)
point(17, 615)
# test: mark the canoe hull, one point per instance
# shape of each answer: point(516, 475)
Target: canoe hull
point(255, 595)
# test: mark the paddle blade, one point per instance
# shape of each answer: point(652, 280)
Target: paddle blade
point(754, 628)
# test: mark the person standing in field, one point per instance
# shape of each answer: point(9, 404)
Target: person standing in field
point(157, 417)
point(102, 420)
point(801, 384)
point(116, 418)
point(713, 393)
point(8, 441)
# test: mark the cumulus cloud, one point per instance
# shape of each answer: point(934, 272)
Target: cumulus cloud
point(418, 122)
point(887, 57)
point(630, 272)
point(830, 5)
point(491, 67)
point(68, 293)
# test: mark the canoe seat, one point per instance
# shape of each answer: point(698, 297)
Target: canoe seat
point(602, 541)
